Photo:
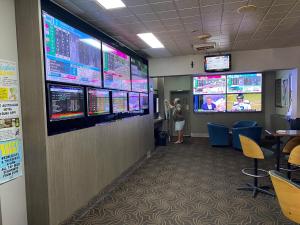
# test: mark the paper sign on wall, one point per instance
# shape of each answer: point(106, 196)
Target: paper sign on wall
point(10, 133)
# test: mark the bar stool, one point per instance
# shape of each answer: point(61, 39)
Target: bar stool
point(287, 149)
point(252, 150)
point(288, 194)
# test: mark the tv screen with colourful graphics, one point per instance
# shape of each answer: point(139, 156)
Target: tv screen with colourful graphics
point(144, 101)
point(98, 101)
point(228, 93)
point(244, 83)
point(211, 84)
point(65, 102)
point(244, 102)
point(134, 101)
point(210, 103)
point(71, 56)
point(139, 76)
point(119, 101)
point(116, 68)
point(217, 63)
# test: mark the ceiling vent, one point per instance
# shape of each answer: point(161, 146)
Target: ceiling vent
point(204, 46)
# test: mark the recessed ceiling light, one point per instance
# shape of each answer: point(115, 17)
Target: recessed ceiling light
point(246, 9)
point(151, 40)
point(111, 4)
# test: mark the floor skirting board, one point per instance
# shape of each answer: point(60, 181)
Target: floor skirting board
point(199, 135)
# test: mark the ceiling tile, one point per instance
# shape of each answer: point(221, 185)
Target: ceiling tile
point(183, 4)
point(147, 17)
point(210, 2)
point(134, 2)
point(280, 2)
point(167, 14)
point(141, 9)
point(189, 12)
point(163, 6)
point(173, 21)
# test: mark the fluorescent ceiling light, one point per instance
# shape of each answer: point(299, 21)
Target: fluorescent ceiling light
point(92, 42)
point(112, 4)
point(151, 40)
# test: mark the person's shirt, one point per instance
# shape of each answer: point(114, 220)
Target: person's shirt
point(205, 106)
point(242, 106)
point(177, 113)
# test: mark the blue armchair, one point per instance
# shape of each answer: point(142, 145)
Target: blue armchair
point(244, 123)
point(218, 134)
point(251, 132)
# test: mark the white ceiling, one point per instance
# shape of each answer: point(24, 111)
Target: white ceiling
point(276, 23)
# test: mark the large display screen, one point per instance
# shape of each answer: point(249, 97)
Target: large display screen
point(244, 102)
point(98, 102)
point(210, 103)
point(214, 84)
point(139, 76)
point(116, 68)
point(119, 101)
point(244, 83)
point(134, 101)
point(218, 63)
point(71, 56)
point(65, 102)
point(144, 101)
point(228, 93)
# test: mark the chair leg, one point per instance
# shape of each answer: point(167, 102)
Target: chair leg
point(254, 187)
point(289, 172)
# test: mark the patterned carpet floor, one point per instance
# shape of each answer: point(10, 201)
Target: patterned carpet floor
point(187, 184)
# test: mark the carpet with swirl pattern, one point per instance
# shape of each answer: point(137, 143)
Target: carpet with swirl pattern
point(187, 184)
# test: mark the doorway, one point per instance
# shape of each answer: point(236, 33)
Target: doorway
point(184, 97)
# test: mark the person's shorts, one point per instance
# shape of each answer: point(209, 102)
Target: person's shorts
point(179, 125)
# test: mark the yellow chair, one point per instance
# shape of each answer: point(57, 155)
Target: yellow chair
point(252, 150)
point(288, 194)
point(294, 158)
point(287, 149)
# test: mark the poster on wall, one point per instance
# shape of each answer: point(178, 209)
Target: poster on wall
point(10, 133)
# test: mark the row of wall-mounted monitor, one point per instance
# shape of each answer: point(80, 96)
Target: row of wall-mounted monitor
point(228, 93)
point(72, 102)
point(75, 107)
point(74, 57)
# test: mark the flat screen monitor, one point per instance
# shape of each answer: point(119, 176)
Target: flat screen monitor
point(65, 102)
point(71, 56)
point(212, 84)
point(119, 101)
point(134, 101)
point(244, 83)
point(98, 102)
point(217, 63)
point(210, 103)
point(139, 76)
point(250, 102)
point(116, 68)
point(144, 101)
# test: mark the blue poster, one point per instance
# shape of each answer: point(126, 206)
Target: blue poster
point(11, 160)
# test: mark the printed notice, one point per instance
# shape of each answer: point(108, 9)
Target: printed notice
point(11, 159)
point(10, 131)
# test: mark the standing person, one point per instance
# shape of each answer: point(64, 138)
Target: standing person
point(178, 119)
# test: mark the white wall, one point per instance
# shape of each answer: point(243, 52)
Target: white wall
point(12, 194)
point(242, 61)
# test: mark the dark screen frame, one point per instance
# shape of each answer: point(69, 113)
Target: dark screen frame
point(217, 70)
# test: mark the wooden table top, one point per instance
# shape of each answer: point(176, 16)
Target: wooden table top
point(283, 133)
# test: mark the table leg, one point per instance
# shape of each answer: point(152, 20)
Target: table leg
point(278, 151)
